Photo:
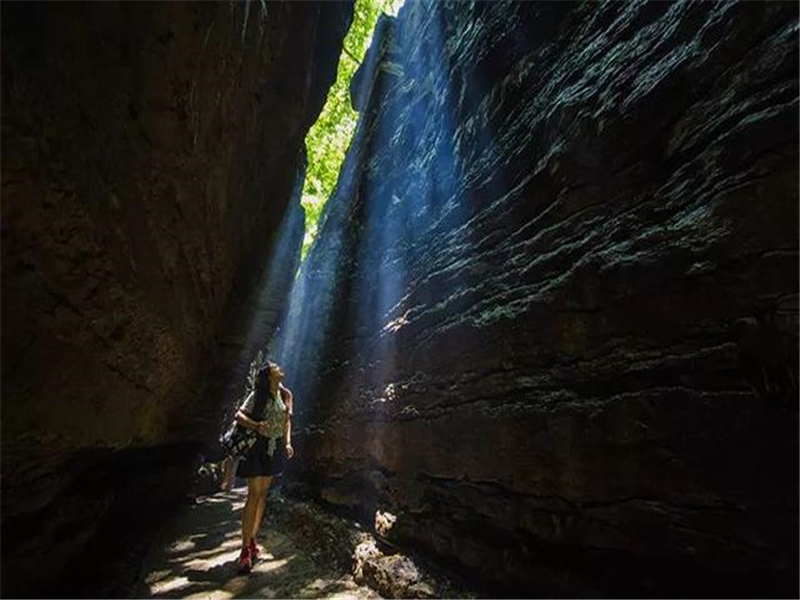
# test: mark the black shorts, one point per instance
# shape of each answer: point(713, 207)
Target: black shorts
point(258, 463)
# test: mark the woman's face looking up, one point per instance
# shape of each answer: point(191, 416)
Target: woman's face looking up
point(275, 372)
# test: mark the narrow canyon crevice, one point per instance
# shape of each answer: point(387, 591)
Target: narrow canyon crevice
point(546, 338)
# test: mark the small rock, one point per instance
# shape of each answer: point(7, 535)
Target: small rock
point(365, 551)
point(384, 522)
point(391, 576)
point(420, 589)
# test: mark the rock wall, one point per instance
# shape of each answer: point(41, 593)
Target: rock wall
point(551, 319)
point(150, 231)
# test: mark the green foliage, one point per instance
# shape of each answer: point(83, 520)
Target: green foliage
point(328, 139)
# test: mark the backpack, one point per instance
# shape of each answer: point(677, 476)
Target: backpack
point(238, 440)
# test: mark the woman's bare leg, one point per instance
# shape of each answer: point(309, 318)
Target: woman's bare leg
point(249, 512)
point(228, 467)
point(263, 488)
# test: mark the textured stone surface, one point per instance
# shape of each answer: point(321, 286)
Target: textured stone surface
point(335, 540)
point(85, 536)
point(551, 318)
point(150, 229)
point(143, 185)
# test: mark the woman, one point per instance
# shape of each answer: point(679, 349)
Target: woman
point(268, 412)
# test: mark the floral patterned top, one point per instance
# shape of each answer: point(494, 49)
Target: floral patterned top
point(274, 414)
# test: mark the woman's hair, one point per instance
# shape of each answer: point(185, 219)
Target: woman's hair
point(262, 382)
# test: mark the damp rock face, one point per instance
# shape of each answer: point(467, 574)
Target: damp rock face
point(550, 321)
point(151, 228)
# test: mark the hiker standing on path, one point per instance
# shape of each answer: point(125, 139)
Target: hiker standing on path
point(268, 412)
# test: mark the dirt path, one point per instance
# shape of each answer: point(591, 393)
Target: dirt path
point(196, 558)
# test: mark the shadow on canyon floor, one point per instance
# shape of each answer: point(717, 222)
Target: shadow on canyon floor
point(195, 557)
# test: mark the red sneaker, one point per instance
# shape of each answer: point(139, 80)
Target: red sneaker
point(254, 551)
point(245, 560)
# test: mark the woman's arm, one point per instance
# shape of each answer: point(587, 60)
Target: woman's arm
point(286, 396)
point(287, 434)
point(287, 421)
point(242, 415)
point(247, 422)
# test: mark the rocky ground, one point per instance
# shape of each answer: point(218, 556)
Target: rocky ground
point(306, 553)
